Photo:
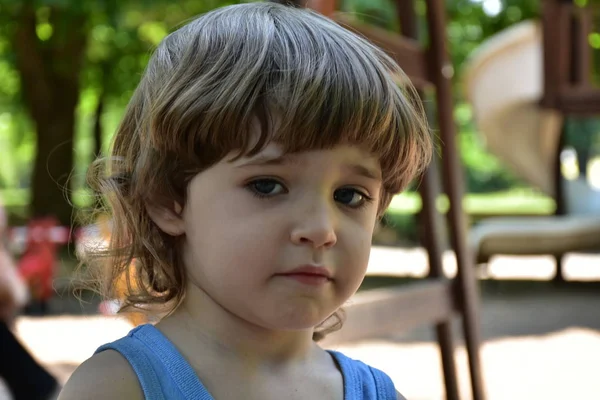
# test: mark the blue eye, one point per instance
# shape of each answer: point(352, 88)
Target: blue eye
point(266, 187)
point(351, 197)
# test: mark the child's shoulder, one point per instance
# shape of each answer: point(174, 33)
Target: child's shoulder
point(364, 380)
point(106, 375)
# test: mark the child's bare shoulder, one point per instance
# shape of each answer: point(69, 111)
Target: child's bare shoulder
point(106, 375)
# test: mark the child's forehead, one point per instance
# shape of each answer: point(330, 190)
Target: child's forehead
point(274, 154)
point(208, 98)
point(274, 141)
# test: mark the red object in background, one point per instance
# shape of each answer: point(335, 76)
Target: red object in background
point(38, 263)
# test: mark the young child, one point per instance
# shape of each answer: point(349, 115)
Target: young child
point(253, 161)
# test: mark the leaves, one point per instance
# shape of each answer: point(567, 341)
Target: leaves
point(119, 36)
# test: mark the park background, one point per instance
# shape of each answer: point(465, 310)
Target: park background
point(68, 68)
point(67, 71)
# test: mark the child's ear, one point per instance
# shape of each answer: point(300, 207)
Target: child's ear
point(168, 219)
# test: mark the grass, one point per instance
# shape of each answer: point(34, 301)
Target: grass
point(19, 198)
point(512, 202)
point(14, 197)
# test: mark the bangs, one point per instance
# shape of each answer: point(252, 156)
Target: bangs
point(307, 82)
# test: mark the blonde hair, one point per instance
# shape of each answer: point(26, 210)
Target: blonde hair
point(204, 87)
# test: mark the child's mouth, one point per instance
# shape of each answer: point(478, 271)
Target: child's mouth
point(309, 275)
point(308, 279)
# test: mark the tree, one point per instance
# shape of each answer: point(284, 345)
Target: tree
point(67, 61)
point(48, 42)
point(50, 65)
point(55, 49)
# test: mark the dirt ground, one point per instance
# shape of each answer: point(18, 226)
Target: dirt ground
point(540, 341)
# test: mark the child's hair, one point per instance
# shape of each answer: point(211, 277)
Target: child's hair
point(205, 86)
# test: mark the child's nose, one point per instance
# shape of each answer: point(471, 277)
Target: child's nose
point(316, 228)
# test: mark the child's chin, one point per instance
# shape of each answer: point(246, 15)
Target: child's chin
point(299, 325)
point(296, 318)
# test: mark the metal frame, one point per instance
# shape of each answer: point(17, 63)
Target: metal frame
point(567, 59)
point(437, 300)
point(566, 89)
point(567, 71)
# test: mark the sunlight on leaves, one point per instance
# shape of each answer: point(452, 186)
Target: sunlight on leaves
point(594, 39)
point(9, 80)
point(44, 31)
point(152, 32)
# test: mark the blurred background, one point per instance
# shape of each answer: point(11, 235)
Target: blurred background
point(68, 69)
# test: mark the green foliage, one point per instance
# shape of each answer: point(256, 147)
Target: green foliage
point(377, 13)
point(121, 41)
point(121, 35)
point(468, 25)
point(514, 201)
point(582, 134)
point(400, 216)
point(17, 146)
point(483, 171)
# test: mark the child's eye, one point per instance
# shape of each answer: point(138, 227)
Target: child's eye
point(352, 198)
point(266, 187)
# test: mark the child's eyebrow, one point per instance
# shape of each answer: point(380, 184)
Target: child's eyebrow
point(267, 159)
point(283, 159)
point(361, 170)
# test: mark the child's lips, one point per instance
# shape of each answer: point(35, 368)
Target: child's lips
point(313, 275)
point(308, 279)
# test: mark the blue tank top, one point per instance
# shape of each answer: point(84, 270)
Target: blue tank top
point(163, 373)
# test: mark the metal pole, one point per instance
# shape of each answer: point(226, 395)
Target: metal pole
point(466, 284)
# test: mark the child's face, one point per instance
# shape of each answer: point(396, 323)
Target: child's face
point(249, 221)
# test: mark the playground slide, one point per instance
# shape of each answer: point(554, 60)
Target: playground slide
point(504, 84)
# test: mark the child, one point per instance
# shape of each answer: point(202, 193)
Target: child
point(257, 153)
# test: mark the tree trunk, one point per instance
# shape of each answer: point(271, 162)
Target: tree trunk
point(105, 67)
point(51, 189)
point(98, 132)
point(50, 87)
point(98, 125)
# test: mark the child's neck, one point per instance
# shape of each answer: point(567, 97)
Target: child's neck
point(202, 325)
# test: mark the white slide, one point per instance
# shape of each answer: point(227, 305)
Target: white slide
point(504, 84)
